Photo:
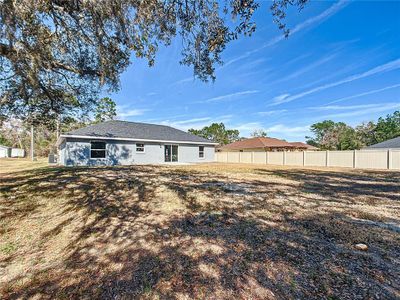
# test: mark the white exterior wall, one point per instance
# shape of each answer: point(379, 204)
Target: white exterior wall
point(76, 152)
point(17, 152)
point(5, 151)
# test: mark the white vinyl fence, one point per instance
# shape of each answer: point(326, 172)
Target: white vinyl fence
point(17, 152)
point(363, 159)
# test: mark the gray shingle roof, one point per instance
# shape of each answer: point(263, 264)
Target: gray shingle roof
point(134, 130)
point(389, 144)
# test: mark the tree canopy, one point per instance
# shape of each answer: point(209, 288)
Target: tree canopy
point(105, 110)
point(330, 135)
point(55, 56)
point(258, 133)
point(217, 133)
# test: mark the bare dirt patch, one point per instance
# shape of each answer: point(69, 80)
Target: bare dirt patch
point(208, 232)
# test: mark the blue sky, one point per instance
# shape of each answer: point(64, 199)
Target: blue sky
point(341, 62)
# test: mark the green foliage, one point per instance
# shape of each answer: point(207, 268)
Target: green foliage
point(259, 133)
point(366, 133)
point(218, 133)
point(387, 128)
point(8, 248)
point(16, 133)
point(105, 110)
point(3, 140)
point(56, 56)
point(329, 135)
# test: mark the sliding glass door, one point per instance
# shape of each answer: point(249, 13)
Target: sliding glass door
point(170, 153)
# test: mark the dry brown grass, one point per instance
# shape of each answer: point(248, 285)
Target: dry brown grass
point(9, 165)
point(198, 232)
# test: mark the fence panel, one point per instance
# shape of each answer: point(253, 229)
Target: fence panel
point(233, 157)
point(344, 159)
point(221, 156)
point(246, 157)
point(368, 159)
point(395, 159)
point(275, 158)
point(294, 158)
point(17, 152)
point(260, 157)
point(315, 158)
point(371, 159)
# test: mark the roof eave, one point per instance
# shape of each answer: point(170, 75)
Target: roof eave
point(63, 136)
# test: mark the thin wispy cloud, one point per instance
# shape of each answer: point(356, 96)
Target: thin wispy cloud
point(246, 128)
point(123, 111)
point(287, 130)
point(365, 93)
point(299, 27)
point(367, 111)
point(196, 123)
point(132, 113)
point(347, 107)
point(194, 120)
point(390, 66)
point(307, 68)
point(321, 17)
point(228, 97)
point(271, 112)
point(184, 80)
point(280, 98)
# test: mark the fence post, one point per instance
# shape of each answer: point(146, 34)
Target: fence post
point(327, 158)
point(266, 157)
point(354, 159)
point(389, 159)
point(284, 158)
point(240, 157)
point(252, 157)
point(304, 158)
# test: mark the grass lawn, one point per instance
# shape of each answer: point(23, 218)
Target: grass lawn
point(198, 232)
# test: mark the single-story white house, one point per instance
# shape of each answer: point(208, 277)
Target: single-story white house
point(128, 143)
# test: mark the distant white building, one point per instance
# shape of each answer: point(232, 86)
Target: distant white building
point(6, 151)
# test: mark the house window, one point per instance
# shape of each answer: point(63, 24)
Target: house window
point(201, 151)
point(97, 150)
point(140, 148)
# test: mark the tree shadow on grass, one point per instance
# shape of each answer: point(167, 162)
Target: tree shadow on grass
point(122, 249)
point(377, 185)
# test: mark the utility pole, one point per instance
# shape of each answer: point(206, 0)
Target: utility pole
point(32, 151)
point(58, 127)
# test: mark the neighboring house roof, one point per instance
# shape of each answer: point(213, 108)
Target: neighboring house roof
point(257, 142)
point(303, 145)
point(124, 130)
point(389, 144)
